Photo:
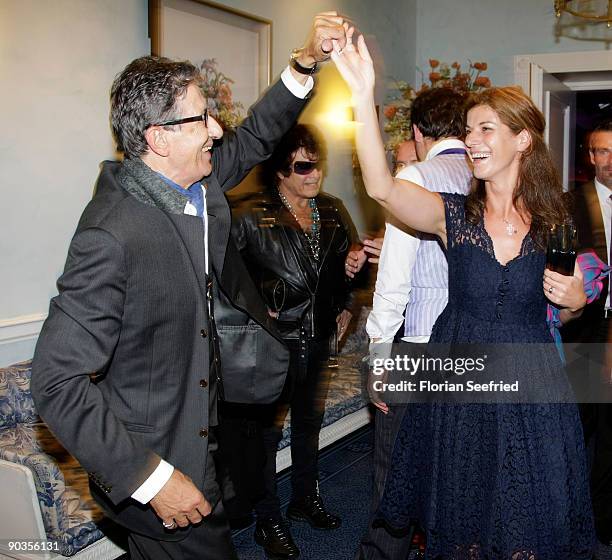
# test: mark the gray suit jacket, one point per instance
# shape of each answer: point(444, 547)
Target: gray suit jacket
point(121, 368)
point(591, 235)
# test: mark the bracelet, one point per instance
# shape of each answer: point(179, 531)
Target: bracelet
point(295, 53)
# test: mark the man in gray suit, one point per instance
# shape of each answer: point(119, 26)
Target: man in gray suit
point(130, 363)
point(593, 219)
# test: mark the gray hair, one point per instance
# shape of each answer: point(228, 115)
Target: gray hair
point(145, 93)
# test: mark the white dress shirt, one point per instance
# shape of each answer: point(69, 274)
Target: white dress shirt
point(162, 473)
point(603, 193)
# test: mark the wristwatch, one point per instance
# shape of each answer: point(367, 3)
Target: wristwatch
point(295, 53)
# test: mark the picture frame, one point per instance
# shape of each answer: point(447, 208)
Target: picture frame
point(238, 43)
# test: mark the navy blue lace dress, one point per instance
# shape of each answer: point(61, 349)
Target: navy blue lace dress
point(492, 481)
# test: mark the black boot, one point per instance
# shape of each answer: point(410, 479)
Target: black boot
point(275, 538)
point(312, 510)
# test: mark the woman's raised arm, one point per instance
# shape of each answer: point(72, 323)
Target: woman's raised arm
point(415, 206)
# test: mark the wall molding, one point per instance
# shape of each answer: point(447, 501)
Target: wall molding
point(560, 63)
point(19, 329)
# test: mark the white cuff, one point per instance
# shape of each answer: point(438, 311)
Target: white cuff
point(294, 86)
point(156, 481)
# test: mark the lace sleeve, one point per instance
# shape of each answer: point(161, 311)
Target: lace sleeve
point(454, 209)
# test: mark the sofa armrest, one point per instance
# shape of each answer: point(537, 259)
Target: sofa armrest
point(20, 516)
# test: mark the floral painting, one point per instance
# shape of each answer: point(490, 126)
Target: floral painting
point(217, 88)
point(397, 109)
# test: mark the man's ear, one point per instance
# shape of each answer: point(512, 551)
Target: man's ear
point(157, 140)
point(418, 135)
point(524, 140)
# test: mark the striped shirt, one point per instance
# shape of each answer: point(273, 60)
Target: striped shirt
point(412, 271)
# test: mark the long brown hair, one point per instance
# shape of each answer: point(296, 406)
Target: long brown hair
point(539, 191)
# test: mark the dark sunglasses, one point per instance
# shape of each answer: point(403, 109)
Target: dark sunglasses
point(203, 117)
point(306, 167)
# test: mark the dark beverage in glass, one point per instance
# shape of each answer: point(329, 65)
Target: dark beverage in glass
point(561, 249)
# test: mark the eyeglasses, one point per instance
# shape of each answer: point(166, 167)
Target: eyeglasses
point(306, 167)
point(203, 117)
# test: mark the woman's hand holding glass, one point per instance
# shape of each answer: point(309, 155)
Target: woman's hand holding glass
point(565, 291)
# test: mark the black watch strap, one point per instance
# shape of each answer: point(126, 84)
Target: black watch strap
point(298, 67)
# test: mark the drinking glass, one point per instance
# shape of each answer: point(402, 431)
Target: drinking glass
point(561, 249)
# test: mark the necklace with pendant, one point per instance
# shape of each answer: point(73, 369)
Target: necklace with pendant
point(313, 235)
point(510, 229)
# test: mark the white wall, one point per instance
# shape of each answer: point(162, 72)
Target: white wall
point(58, 59)
point(390, 21)
point(492, 31)
point(57, 62)
point(390, 29)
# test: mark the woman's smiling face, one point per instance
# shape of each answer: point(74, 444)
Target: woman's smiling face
point(494, 149)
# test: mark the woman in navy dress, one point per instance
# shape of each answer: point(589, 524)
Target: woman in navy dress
point(487, 481)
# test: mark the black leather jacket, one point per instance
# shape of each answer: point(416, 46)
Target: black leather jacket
point(306, 295)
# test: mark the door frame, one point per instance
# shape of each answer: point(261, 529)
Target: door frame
point(557, 63)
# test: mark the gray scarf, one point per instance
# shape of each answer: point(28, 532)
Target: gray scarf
point(137, 178)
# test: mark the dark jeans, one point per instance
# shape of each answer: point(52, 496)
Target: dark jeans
point(377, 544)
point(308, 379)
point(240, 458)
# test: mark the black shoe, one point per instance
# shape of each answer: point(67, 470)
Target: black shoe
point(276, 539)
point(312, 510)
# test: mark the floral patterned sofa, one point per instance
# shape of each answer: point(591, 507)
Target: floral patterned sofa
point(45, 490)
point(63, 514)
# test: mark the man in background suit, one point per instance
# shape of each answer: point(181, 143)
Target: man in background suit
point(593, 217)
point(127, 370)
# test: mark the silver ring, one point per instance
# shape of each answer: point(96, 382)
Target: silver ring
point(550, 290)
point(169, 525)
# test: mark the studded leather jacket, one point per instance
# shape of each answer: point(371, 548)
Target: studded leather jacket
point(306, 294)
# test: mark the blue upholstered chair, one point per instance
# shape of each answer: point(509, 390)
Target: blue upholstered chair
point(45, 491)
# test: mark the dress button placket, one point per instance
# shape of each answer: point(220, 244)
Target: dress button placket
point(502, 291)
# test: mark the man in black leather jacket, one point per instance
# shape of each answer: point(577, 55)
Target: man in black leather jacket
point(294, 240)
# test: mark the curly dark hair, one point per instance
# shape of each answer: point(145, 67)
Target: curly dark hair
point(438, 113)
point(303, 136)
point(538, 192)
point(145, 93)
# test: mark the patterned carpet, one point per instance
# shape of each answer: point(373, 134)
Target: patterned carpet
point(345, 484)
